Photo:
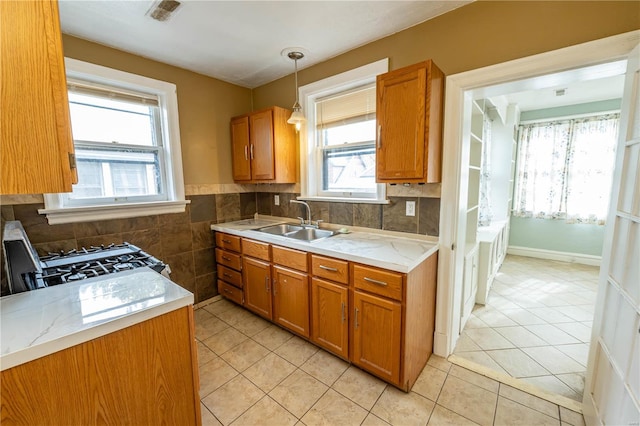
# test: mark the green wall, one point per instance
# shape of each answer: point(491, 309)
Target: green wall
point(557, 235)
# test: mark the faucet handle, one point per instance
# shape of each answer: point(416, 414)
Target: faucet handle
point(301, 220)
point(316, 223)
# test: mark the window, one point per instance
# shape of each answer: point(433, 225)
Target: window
point(127, 146)
point(340, 157)
point(565, 168)
point(345, 139)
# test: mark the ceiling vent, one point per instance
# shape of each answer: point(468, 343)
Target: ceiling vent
point(161, 11)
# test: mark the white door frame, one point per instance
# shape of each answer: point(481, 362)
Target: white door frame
point(454, 185)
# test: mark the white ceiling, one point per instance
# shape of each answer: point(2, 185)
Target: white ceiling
point(241, 41)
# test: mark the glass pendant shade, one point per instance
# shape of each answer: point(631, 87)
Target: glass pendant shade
point(297, 117)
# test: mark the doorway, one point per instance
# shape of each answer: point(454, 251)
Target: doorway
point(454, 187)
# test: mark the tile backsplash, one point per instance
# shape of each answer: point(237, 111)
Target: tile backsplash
point(185, 242)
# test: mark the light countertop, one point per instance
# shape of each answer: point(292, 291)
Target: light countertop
point(37, 323)
point(396, 251)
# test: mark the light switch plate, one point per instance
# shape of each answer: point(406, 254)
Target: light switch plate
point(276, 200)
point(411, 208)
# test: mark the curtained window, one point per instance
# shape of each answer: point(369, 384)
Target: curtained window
point(565, 169)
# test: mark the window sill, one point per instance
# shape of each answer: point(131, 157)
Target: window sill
point(345, 200)
point(93, 213)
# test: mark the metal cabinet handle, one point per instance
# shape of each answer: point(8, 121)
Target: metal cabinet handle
point(275, 290)
point(252, 151)
point(371, 280)
point(379, 136)
point(246, 152)
point(226, 258)
point(227, 275)
point(266, 284)
point(226, 241)
point(226, 290)
point(356, 318)
point(328, 268)
point(342, 313)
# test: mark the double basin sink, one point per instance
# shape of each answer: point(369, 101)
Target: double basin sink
point(297, 232)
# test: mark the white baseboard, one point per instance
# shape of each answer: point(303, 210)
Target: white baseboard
point(585, 259)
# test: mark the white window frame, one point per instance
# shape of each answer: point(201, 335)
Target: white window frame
point(310, 164)
point(58, 210)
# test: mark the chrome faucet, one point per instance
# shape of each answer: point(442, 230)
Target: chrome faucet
point(308, 221)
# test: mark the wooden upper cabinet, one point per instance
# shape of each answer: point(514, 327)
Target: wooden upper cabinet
point(241, 164)
point(409, 117)
point(264, 147)
point(36, 143)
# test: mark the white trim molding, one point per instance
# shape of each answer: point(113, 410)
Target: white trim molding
point(585, 259)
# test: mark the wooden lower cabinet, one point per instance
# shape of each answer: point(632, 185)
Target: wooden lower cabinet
point(257, 286)
point(291, 300)
point(377, 328)
point(330, 316)
point(145, 374)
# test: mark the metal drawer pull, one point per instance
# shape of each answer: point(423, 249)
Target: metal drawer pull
point(246, 150)
point(227, 275)
point(371, 280)
point(226, 290)
point(356, 317)
point(226, 258)
point(328, 268)
point(226, 241)
point(342, 312)
point(266, 283)
point(252, 151)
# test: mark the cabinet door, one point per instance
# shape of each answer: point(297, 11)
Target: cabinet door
point(35, 135)
point(401, 102)
point(257, 286)
point(240, 151)
point(329, 316)
point(291, 300)
point(376, 337)
point(261, 147)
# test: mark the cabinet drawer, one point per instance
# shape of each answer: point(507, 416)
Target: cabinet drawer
point(293, 259)
point(228, 242)
point(230, 292)
point(255, 249)
point(231, 260)
point(378, 281)
point(230, 276)
point(332, 269)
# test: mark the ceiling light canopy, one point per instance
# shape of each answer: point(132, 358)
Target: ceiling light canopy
point(297, 117)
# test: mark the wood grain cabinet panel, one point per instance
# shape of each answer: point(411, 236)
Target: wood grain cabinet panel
point(228, 259)
point(141, 375)
point(264, 147)
point(330, 316)
point(291, 300)
point(409, 118)
point(257, 286)
point(241, 164)
point(228, 242)
point(256, 249)
point(329, 268)
point(230, 292)
point(290, 258)
point(36, 144)
point(377, 328)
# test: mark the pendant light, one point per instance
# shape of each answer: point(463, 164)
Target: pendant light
point(297, 117)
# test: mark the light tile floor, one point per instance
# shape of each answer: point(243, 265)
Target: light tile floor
point(255, 373)
point(536, 325)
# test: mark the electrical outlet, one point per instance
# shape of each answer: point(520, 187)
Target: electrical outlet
point(276, 200)
point(411, 208)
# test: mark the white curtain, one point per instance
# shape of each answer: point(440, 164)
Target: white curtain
point(565, 169)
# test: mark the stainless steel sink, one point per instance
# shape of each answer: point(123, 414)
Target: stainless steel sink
point(297, 232)
point(309, 234)
point(280, 229)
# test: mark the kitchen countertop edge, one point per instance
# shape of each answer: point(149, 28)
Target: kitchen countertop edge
point(32, 352)
point(248, 229)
